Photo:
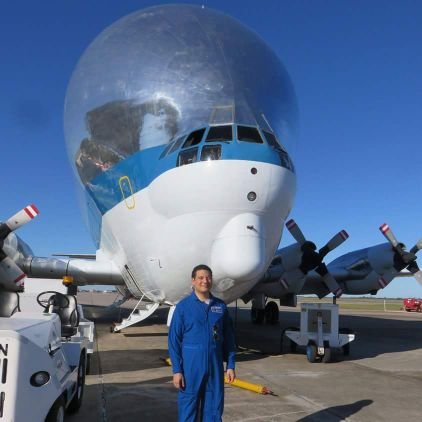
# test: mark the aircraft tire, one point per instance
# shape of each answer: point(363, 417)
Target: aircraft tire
point(76, 402)
point(271, 313)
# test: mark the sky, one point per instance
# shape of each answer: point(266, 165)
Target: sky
point(356, 67)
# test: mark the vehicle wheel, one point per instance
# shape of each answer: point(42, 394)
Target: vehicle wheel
point(88, 364)
point(327, 355)
point(257, 315)
point(407, 310)
point(271, 312)
point(311, 353)
point(57, 411)
point(419, 309)
point(76, 402)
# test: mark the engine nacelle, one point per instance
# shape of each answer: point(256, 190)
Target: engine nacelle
point(381, 257)
point(291, 257)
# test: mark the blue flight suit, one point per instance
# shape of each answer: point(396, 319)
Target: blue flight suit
point(200, 338)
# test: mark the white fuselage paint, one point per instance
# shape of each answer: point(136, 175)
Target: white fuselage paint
point(199, 213)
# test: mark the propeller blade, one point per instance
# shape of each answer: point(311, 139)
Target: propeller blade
point(329, 280)
point(386, 278)
point(332, 285)
point(417, 247)
point(413, 267)
point(333, 243)
point(418, 277)
point(22, 217)
point(11, 276)
point(386, 231)
point(295, 231)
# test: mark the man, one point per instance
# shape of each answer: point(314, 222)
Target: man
point(201, 337)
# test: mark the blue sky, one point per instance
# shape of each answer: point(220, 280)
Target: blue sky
point(356, 67)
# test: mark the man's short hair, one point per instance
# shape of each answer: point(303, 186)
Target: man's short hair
point(199, 268)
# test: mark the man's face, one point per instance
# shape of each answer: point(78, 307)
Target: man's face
point(202, 282)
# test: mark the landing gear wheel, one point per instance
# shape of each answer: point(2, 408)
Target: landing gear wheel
point(56, 413)
point(76, 402)
point(311, 353)
point(271, 313)
point(257, 315)
point(327, 355)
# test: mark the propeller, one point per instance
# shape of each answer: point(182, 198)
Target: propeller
point(11, 276)
point(402, 258)
point(311, 259)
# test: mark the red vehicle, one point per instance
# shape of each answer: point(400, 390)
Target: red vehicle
point(413, 305)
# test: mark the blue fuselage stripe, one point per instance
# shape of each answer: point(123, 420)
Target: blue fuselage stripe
point(108, 189)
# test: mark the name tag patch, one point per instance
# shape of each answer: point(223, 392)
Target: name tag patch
point(217, 309)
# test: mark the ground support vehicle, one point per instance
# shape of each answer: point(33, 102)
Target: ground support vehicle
point(43, 359)
point(412, 305)
point(319, 332)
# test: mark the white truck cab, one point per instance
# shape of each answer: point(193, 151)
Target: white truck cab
point(43, 358)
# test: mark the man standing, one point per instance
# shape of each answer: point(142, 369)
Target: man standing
point(200, 338)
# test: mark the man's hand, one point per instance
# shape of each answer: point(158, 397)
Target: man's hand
point(230, 375)
point(178, 380)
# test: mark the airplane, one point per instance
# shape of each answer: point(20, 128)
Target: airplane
point(179, 121)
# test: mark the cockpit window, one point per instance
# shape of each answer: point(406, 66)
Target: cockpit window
point(194, 138)
point(249, 134)
point(187, 157)
point(166, 149)
point(177, 144)
point(220, 133)
point(211, 152)
point(272, 140)
point(286, 162)
point(285, 159)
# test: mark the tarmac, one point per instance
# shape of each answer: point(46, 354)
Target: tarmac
point(381, 379)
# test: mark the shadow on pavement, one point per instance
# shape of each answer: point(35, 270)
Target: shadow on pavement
point(336, 413)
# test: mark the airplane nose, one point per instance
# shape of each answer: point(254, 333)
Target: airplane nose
point(238, 251)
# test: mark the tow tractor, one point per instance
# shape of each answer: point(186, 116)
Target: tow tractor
point(319, 332)
point(43, 357)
